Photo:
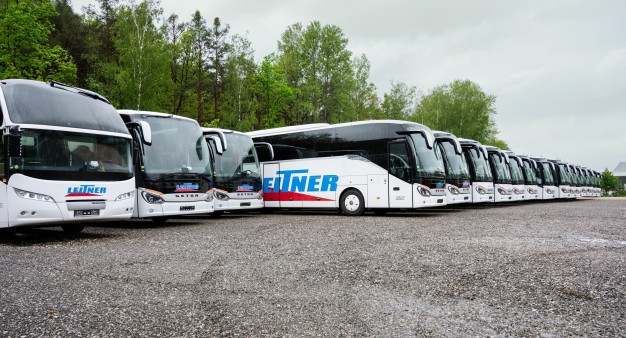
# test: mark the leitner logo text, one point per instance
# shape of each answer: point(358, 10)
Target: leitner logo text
point(294, 181)
point(86, 190)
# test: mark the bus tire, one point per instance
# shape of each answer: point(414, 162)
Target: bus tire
point(72, 228)
point(352, 203)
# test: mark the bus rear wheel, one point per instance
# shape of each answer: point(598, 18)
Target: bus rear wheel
point(72, 228)
point(352, 203)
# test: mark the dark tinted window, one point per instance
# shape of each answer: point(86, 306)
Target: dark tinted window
point(31, 102)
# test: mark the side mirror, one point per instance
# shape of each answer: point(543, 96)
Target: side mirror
point(146, 132)
point(219, 147)
point(264, 151)
point(13, 140)
point(216, 133)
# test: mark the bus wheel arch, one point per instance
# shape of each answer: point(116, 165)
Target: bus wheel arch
point(351, 202)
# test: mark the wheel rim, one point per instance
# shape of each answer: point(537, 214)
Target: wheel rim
point(352, 203)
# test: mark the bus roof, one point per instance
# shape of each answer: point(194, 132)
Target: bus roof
point(321, 126)
point(32, 103)
point(151, 113)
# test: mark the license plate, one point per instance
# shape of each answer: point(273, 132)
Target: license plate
point(94, 212)
point(188, 208)
point(244, 204)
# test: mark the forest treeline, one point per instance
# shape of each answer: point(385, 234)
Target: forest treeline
point(196, 67)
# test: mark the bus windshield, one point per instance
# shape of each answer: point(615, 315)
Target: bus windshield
point(456, 165)
point(566, 179)
point(481, 166)
point(517, 177)
point(178, 146)
point(238, 162)
point(428, 163)
point(531, 177)
point(502, 169)
point(60, 155)
point(548, 179)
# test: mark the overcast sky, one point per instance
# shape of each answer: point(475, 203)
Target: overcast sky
point(557, 68)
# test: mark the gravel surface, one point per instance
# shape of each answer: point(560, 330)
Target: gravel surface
point(537, 269)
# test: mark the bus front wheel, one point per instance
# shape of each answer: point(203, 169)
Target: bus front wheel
point(352, 203)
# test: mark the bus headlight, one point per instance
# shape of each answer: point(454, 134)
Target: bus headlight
point(480, 190)
point(453, 190)
point(501, 191)
point(423, 191)
point(221, 196)
point(209, 197)
point(125, 196)
point(259, 196)
point(33, 196)
point(152, 198)
point(531, 191)
point(563, 190)
point(516, 191)
point(550, 191)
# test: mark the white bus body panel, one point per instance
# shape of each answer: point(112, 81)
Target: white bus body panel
point(463, 196)
point(531, 192)
point(319, 183)
point(547, 192)
point(239, 201)
point(487, 196)
point(70, 199)
point(559, 192)
point(175, 204)
point(503, 192)
point(518, 192)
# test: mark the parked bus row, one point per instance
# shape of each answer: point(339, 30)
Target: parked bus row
point(69, 157)
point(386, 164)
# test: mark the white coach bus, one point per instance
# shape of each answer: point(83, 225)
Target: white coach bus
point(65, 157)
point(499, 161)
point(236, 171)
point(481, 178)
point(172, 163)
point(531, 187)
point(516, 166)
point(358, 166)
point(545, 178)
point(458, 185)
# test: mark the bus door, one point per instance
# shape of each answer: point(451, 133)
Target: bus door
point(271, 186)
point(400, 188)
point(273, 195)
point(4, 207)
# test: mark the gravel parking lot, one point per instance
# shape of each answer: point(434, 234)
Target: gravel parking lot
point(538, 269)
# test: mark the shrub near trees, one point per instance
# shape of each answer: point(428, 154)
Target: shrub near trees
point(197, 68)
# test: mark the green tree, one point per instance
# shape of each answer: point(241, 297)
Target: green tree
point(318, 65)
point(400, 102)
point(608, 181)
point(102, 55)
point(218, 48)
point(70, 32)
point(238, 104)
point(143, 62)
point(25, 52)
point(461, 108)
point(364, 98)
point(199, 45)
point(274, 96)
point(173, 31)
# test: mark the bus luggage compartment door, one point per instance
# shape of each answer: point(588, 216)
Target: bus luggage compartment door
point(271, 185)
